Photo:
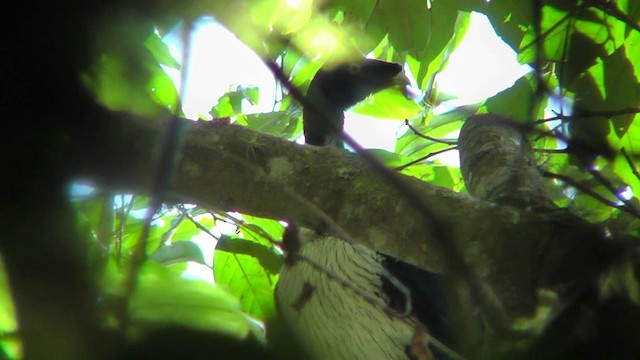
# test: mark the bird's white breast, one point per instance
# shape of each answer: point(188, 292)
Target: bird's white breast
point(331, 320)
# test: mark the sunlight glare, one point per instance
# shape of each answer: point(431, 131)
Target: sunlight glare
point(482, 66)
point(218, 60)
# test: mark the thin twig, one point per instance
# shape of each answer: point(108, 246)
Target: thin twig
point(552, 151)
point(591, 114)
point(197, 223)
point(418, 133)
point(609, 7)
point(581, 187)
point(243, 225)
point(423, 158)
point(632, 165)
point(633, 209)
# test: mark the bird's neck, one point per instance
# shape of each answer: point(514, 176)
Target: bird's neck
point(324, 128)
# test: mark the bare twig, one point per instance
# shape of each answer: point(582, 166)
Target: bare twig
point(610, 8)
point(418, 133)
point(581, 187)
point(632, 165)
point(196, 223)
point(628, 205)
point(423, 158)
point(591, 114)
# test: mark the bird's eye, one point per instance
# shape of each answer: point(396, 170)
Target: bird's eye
point(354, 68)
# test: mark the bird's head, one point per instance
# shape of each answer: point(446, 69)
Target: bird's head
point(336, 88)
point(347, 84)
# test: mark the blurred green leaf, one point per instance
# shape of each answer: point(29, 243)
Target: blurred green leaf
point(442, 177)
point(179, 251)
point(230, 103)
point(272, 123)
point(515, 102)
point(114, 85)
point(161, 88)
point(554, 27)
point(8, 322)
point(387, 104)
point(622, 89)
point(245, 274)
point(223, 108)
point(408, 23)
point(257, 226)
point(426, 67)
point(265, 255)
point(388, 158)
point(163, 297)
point(509, 18)
point(445, 28)
point(127, 76)
point(160, 51)
point(354, 16)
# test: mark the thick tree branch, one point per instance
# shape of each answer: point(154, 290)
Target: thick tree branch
point(232, 168)
point(498, 163)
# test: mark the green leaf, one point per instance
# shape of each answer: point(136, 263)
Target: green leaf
point(161, 88)
point(554, 28)
point(377, 29)
point(387, 104)
point(514, 102)
point(389, 158)
point(622, 89)
point(266, 256)
point(245, 276)
point(223, 108)
point(408, 24)
point(443, 29)
point(8, 323)
point(250, 94)
point(163, 297)
point(273, 123)
point(230, 103)
point(160, 51)
point(442, 177)
point(509, 18)
point(259, 227)
point(428, 66)
point(582, 53)
point(355, 16)
point(122, 86)
point(126, 75)
point(607, 87)
point(176, 252)
point(574, 37)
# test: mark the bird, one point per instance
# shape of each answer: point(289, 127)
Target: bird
point(336, 88)
point(339, 299)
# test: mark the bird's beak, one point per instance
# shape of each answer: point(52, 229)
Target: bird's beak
point(409, 90)
point(401, 79)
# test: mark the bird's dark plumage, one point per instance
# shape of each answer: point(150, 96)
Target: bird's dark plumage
point(334, 90)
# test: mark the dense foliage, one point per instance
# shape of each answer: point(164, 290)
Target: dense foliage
point(584, 55)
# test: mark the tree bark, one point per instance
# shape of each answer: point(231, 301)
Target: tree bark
point(228, 167)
